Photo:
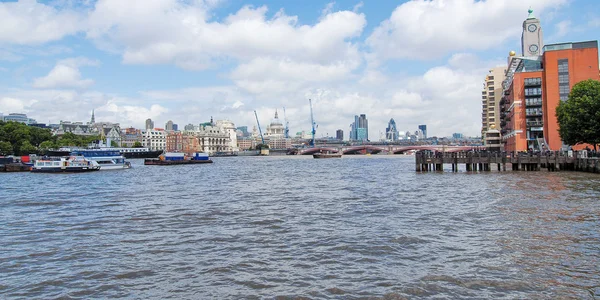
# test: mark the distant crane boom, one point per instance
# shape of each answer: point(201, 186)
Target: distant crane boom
point(287, 125)
point(259, 130)
point(312, 122)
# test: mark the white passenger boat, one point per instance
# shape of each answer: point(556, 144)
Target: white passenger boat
point(71, 164)
point(108, 159)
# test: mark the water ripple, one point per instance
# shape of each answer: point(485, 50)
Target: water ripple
point(361, 227)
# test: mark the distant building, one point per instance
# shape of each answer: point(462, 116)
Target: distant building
point(21, 118)
point(457, 135)
point(246, 144)
point(391, 133)
point(419, 134)
point(175, 127)
point(184, 142)
point(361, 134)
point(169, 126)
point(154, 139)
point(423, 129)
point(280, 143)
point(339, 134)
point(490, 96)
point(130, 136)
point(243, 130)
point(149, 124)
point(359, 130)
point(77, 128)
point(228, 128)
point(188, 127)
point(275, 129)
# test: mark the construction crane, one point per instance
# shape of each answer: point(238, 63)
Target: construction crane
point(259, 130)
point(313, 124)
point(287, 125)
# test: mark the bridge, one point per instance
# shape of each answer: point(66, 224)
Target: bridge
point(392, 149)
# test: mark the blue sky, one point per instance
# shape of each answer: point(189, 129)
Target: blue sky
point(419, 62)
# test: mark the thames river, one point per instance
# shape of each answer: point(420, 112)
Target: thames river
point(359, 227)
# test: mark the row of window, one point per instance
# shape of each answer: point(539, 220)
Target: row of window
point(533, 91)
point(533, 111)
point(533, 81)
point(533, 101)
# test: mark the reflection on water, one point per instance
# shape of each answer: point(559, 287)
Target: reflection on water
point(293, 227)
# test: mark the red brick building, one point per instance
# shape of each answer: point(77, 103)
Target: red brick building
point(533, 88)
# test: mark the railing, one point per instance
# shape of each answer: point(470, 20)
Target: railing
point(533, 102)
point(535, 123)
point(533, 113)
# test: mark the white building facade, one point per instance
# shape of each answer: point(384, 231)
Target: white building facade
point(228, 128)
point(154, 139)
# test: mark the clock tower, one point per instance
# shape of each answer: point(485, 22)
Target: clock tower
point(532, 38)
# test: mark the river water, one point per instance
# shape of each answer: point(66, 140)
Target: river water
point(360, 227)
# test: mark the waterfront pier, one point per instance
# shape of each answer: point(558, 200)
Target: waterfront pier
point(426, 161)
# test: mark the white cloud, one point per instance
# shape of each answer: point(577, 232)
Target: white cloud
point(10, 104)
point(562, 28)
point(66, 74)
point(431, 29)
point(187, 38)
point(268, 75)
point(27, 22)
point(328, 9)
point(70, 105)
point(594, 22)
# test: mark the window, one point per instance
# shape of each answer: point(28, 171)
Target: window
point(492, 94)
point(563, 79)
point(490, 77)
point(491, 88)
point(563, 66)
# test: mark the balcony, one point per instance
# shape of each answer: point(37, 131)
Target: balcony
point(533, 102)
point(535, 123)
point(533, 113)
point(533, 82)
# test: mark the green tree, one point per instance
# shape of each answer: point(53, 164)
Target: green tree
point(27, 148)
point(114, 144)
point(6, 148)
point(137, 145)
point(579, 116)
point(39, 135)
point(45, 145)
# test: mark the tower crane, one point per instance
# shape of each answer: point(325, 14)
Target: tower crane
point(259, 130)
point(287, 125)
point(313, 124)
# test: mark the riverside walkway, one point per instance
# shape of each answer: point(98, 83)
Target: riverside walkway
point(426, 161)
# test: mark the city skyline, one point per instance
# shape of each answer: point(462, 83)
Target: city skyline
point(349, 57)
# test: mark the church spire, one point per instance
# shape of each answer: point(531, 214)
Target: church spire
point(93, 120)
point(276, 117)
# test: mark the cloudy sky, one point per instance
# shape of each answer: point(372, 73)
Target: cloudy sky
point(419, 62)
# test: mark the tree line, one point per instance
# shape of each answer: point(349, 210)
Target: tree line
point(19, 139)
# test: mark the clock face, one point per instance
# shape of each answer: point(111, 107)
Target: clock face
point(533, 48)
point(531, 27)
